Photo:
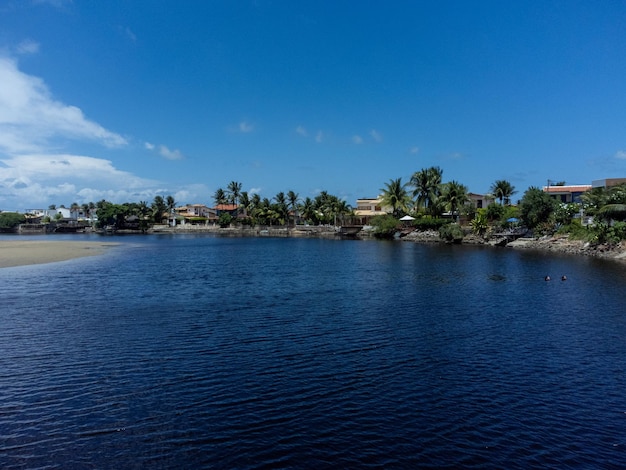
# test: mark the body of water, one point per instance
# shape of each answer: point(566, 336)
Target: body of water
point(252, 353)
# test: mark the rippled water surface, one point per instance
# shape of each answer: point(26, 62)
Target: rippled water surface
point(203, 352)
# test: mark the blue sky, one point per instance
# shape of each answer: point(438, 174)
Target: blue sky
point(126, 99)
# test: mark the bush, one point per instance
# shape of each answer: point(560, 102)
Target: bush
point(225, 219)
point(385, 226)
point(451, 233)
point(430, 223)
point(11, 219)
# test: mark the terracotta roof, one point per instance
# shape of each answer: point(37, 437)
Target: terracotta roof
point(225, 207)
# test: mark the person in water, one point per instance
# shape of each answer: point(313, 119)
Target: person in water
point(547, 278)
point(563, 277)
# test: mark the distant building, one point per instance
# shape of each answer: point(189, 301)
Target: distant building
point(567, 194)
point(608, 182)
point(480, 201)
point(366, 208)
point(193, 214)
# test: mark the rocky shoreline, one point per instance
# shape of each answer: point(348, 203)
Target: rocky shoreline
point(555, 244)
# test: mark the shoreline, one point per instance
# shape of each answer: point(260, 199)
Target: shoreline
point(29, 252)
point(15, 253)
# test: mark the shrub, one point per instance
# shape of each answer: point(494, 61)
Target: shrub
point(451, 233)
point(430, 223)
point(11, 219)
point(225, 219)
point(385, 226)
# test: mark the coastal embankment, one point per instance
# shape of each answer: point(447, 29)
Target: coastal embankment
point(554, 244)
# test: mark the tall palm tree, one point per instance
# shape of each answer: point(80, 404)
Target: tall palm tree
point(158, 208)
point(307, 210)
point(220, 197)
point(293, 204)
point(245, 202)
point(281, 206)
point(453, 197)
point(170, 202)
point(395, 195)
point(233, 192)
point(503, 190)
point(426, 184)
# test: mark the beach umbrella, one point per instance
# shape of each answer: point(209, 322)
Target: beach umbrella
point(407, 218)
point(513, 220)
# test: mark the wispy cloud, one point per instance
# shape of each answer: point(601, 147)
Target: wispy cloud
point(621, 154)
point(54, 3)
point(164, 151)
point(28, 46)
point(245, 127)
point(30, 117)
point(414, 150)
point(130, 35)
point(170, 154)
point(34, 172)
point(376, 136)
point(319, 137)
point(357, 139)
point(301, 131)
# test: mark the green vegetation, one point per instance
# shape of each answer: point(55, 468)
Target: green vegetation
point(385, 226)
point(434, 204)
point(10, 220)
point(451, 233)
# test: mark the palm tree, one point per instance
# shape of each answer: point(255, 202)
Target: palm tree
point(158, 208)
point(453, 197)
point(307, 210)
point(503, 190)
point(281, 206)
point(220, 197)
point(233, 192)
point(293, 203)
point(395, 195)
point(426, 184)
point(343, 209)
point(170, 203)
point(245, 202)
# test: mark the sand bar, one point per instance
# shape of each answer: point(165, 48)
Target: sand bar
point(25, 252)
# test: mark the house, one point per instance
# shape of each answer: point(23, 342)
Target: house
point(366, 208)
point(567, 194)
point(231, 209)
point(194, 214)
point(608, 182)
point(480, 201)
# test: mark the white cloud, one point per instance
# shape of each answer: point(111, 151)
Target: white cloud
point(245, 127)
point(27, 46)
point(30, 118)
point(357, 139)
point(301, 131)
point(130, 34)
point(36, 179)
point(54, 3)
point(414, 150)
point(170, 154)
point(376, 135)
point(319, 137)
point(621, 154)
point(255, 191)
point(34, 173)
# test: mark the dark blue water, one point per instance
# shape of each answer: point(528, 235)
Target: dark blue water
point(252, 353)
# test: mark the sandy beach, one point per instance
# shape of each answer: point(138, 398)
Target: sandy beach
point(26, 252)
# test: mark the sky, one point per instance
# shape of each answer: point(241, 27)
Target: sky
point(124, 100)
